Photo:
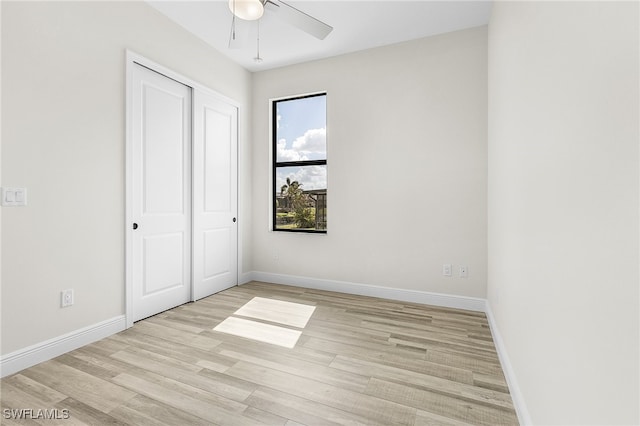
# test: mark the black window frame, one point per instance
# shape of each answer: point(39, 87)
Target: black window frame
point(275, 164)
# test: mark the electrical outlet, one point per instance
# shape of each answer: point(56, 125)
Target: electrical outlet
point(446, 269)
point(66, 298)
point(464, 272)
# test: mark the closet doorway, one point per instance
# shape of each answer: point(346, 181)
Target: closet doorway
point(181, 191)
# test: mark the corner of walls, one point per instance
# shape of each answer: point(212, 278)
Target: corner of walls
point(245, 185)
point(246, 277)
point(514, 388)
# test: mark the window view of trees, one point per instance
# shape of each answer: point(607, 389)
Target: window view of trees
point(299, 209)
point(299, 167)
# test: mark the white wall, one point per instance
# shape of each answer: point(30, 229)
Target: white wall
point(406, 166)
point(563, 205)
point(63, 137)
point(0, 171)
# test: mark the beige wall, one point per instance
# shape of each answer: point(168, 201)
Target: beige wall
point(63, 138)
point(406, 166)
point(563, 205)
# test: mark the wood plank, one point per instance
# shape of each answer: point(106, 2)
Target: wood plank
point(473, 362)
point(187, 377)
point(177, 336)
point(440, 404)
point(348, 349)
point(451, 388)
point(170, 349)
point(92, 391)
point(34, 389)
point(143, 411)
point(374, 409)
point(416, 365)
point(152, 361)
point(168, 395)
point(85, 414)
point(299, 352)
point(425, 418)
point(330, 376)
point(496, 382)
point(77, 360)
point(23, 407)
point(264, 416)
point(304, 411)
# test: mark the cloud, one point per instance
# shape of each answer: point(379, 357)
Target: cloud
point(310, 177)
point(310, 146)
point(313, 144)
point(285, 154)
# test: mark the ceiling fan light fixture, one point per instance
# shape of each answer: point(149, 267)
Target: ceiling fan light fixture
point(249, 10)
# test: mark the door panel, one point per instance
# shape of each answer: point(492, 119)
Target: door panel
point(161, 187)
point(217, 149)
point(163, 150)
point(163, 264)
point(216, 253)
point(215, 183)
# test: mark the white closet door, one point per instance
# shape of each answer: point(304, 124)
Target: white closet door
point(161, 188)
point(215, 195)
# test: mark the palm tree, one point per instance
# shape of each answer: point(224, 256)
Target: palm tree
point(291, 188)
point(299, 202)
point(292, 192)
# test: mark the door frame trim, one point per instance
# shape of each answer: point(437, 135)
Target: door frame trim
point(131, 60)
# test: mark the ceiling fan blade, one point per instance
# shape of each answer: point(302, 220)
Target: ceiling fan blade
point(298, 18)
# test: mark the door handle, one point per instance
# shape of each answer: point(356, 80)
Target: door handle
point(234, 220)
point(135, 226)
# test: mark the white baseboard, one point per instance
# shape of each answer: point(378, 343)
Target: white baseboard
point(514, 389)
point(44, 351)
point(426, 298)
point(245, 277)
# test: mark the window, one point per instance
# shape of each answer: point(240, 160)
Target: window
point(300, 164)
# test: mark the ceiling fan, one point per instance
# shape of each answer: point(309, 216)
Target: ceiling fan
point(251, 10)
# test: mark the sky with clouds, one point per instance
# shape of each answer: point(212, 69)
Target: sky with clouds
point(301, 135)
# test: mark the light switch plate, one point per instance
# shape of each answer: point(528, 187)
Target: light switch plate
point(14, 197)
point(446, 269)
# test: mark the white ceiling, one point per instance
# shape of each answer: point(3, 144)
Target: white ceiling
point(358, 25)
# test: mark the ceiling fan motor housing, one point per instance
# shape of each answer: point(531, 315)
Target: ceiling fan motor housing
point(249, 10)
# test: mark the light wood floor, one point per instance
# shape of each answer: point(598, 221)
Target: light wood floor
point(359, 361)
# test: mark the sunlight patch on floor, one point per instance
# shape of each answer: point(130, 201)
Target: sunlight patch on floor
point(275, 311)
point(259, 331)
point(281, 312)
